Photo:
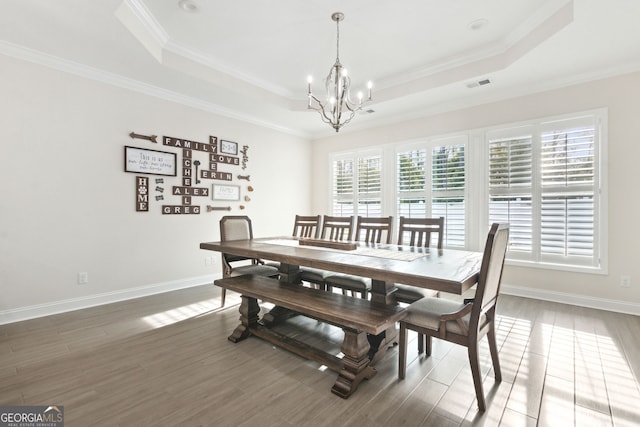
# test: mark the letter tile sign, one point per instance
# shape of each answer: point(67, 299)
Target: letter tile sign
point(189, 189)
point(142, 194)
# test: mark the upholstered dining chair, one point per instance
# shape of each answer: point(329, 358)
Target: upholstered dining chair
point(368, 230)
point(333, 228)
point(467, 322)
point(238, 227)
point(418, 232)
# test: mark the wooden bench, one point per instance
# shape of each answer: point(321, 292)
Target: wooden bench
point(357, 318)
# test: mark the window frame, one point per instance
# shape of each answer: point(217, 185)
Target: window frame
point(428, 193)
point(599, 119)
point(355, 157)
point(476, 190)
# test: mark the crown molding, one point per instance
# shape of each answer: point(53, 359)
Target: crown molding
point(91, 73)
point(139, 20)
point(534, 31)
point(496, 96)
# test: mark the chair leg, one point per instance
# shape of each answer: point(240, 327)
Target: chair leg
point(420, 343)
point(223, 297)
point(493, 348)
point(402, 351)
point(474, 361)
point(427, 339)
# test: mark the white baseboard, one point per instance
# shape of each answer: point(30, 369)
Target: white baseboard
point(572, 299)
point(63, 306)
point(57, 307)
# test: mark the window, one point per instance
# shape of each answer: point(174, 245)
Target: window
point(431, 183)
point(343, 187)
point(510, 187)
point(369, 197)
point(447, 191)
point(543, 177)
point(357, 185)
point(412, 185)
point(543, 181)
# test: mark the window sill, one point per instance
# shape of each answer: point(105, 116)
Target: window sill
point(557, 266)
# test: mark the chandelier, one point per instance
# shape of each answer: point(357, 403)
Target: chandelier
point(338, 108)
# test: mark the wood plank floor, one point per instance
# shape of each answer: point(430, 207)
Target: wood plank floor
point(165, 361)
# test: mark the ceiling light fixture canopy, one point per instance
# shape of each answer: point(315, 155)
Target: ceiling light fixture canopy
point(338, 108)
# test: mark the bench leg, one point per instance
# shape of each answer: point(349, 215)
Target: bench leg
point(356, 364)
point(249, 310)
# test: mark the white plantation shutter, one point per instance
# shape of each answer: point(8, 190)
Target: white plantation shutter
point(431, 183)
point(411, 183)
point(343, 176)
point(543, 182)
point(370, 186)
point(448, 190)
point(568, 177)
point(357, 185)
point(510, 188)
point(567, 225)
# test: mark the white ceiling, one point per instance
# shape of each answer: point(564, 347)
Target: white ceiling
point(250, 59)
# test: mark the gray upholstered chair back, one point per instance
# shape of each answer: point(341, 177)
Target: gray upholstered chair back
point(491, 271)
point(235, 227)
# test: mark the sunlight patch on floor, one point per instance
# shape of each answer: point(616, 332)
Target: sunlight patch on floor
point(586, 375)
point(175, 315)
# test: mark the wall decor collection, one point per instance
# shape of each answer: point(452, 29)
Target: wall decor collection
point(217, 155)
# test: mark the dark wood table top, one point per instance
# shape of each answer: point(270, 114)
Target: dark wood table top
point(447, 270)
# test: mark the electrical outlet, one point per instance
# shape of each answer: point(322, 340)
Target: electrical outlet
point(209, 260)
point(83, 278)
point(625, 281)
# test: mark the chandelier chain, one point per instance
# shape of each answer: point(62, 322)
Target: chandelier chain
point(338, 41)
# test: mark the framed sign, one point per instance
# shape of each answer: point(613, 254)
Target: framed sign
point(229, 147)
point(225, 192)
point(153, 162)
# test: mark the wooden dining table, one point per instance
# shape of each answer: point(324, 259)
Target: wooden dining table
point(447, 270)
